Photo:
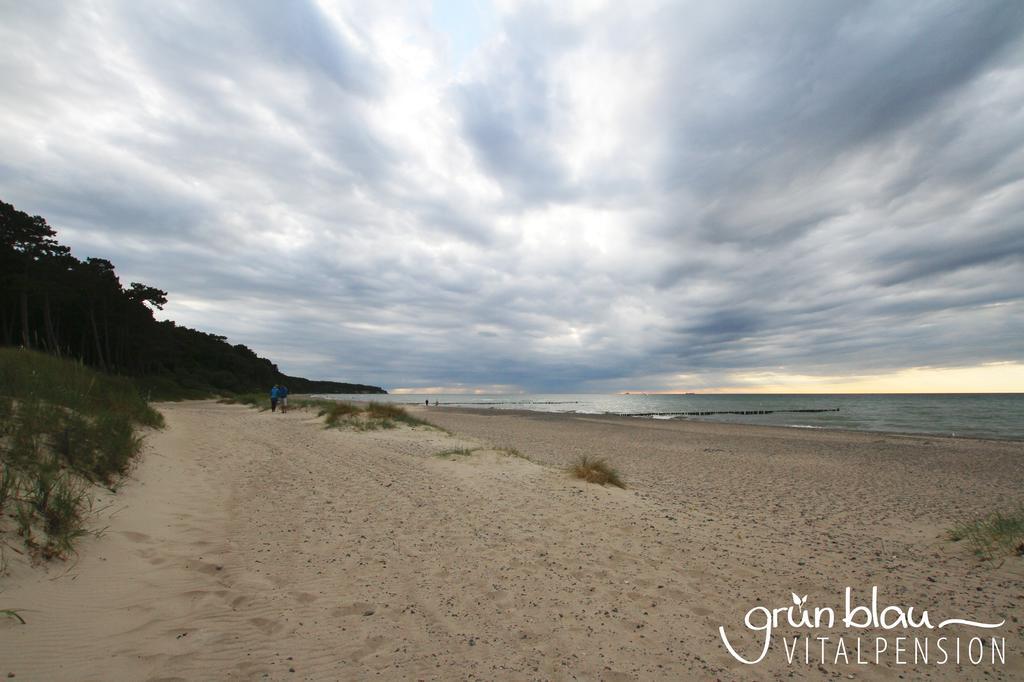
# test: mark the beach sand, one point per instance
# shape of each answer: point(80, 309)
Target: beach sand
point(251, 545)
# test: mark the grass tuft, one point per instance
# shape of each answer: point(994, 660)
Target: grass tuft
point(513, 452)
point(338, 414)
point(372, 417)
point(596, 471)
point(63, 427)
point(11, 613)
point(311, 403)
point(393, 413)
point(8, 485)
point(994, 536)
point(455, 452)
point(64, 518)
point(258, 400)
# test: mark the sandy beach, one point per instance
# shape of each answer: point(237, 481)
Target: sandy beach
point(250, 545)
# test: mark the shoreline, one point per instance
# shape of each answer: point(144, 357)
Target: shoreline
point(419, 408)
point(686, 418)
point(249, 545)
point(827, 429)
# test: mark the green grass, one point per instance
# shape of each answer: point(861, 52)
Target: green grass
point(63, 427)
point(994, 536)
point(61, 503)
point(50, 511)
point(31, 375)
point(596, 471)
point(167, 389)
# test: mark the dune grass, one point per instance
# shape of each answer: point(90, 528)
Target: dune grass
point(31, 375)
point(170, 389)
point(513, 452)
point(311, 403)
point(455, 452)
point(465, 452)
point(257, 400)
point(339, 414)
point(994, 536)
point(335, 413)
point(394, 413)
point(371, 417)
point(597, 471)
point(63, 427)
point(8, 484)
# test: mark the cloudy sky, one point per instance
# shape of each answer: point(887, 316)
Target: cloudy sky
point(570, 196)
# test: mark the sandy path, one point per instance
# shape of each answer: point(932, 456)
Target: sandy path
point(256, 546)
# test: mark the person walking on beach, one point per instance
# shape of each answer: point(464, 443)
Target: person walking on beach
point(274, 393)
point(282, 397)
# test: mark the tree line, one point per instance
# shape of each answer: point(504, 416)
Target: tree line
point(54, 302)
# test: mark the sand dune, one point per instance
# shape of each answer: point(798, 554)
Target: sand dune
point(259, 546)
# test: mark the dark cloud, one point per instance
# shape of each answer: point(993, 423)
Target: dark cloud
point(600, 199)
point(508, 140)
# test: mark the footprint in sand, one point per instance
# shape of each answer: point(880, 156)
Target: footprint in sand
point(304, 597)
point(355, 609)
point(205, 567)
point(370, 645)
point(265, 625)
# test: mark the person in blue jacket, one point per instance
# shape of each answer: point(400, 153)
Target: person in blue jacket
point(282, 397)
point(274, 394)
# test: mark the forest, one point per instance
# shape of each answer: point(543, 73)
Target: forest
point(78, 309)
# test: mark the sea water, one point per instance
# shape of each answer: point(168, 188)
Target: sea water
point(973, 415)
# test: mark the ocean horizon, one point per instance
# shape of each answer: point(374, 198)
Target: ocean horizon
point(969, 415)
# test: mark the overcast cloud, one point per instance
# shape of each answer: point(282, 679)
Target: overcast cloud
point(571, 197)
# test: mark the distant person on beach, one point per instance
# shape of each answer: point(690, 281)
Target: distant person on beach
point(274, 394)
point(426, 402)
point(282, 396)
